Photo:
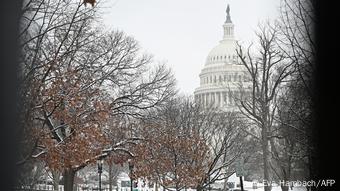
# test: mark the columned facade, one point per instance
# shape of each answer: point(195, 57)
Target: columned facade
point(222, 75)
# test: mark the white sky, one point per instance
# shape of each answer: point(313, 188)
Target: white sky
point(182, 32)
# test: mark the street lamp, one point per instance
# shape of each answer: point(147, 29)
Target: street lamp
point(100, 162)
point(131, 168)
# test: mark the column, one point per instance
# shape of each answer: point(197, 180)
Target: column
point(232, 101)
point(204, 100)
point(230, 98)
point(221, 99)
point(215, 97)
point(208, 99)
point(225, 98)
point(200, 98)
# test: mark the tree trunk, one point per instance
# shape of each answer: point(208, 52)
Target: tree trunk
point(56, 178)
point(284, 188)
point(69, 175)
point(265, 148)
point(312, 160)
point(199, 188)
point(55, 185)
point(225, 185)
point(156, 186)
point(110, 177)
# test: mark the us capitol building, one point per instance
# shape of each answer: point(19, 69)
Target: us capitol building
point(222, 74)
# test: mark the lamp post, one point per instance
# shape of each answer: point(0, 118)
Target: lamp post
point(131, 179)
point(100, 170)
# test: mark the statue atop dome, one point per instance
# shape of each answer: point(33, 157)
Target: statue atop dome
point(228, 20)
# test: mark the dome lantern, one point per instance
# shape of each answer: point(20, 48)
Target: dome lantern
point(224, 52)
point(228, 26)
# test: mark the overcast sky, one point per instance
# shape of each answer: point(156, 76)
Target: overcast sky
point(182, 32)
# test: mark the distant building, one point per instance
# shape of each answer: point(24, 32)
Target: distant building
point(222, 75)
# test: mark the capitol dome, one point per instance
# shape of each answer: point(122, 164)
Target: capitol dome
point(224, 53)
point(222, 73)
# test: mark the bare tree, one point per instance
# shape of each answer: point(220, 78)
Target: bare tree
point(297, 41)
point(30, 174)
point(114, 169)
point(268, 71)
point(173, 152)
point(288, 148)
point(227, 144)
point(189, 147)
point(74, 78)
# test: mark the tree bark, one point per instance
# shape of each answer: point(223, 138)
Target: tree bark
point(225, 186)
point(156, 186)
point(69, 175)
point(56, 178)
point(265, 148)
point(199, 188)
point(110, 177)
point(285, 187)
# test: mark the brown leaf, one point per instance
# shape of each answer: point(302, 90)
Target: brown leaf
point(92, 2)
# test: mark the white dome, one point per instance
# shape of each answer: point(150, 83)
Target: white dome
point(224, 52)
point(222, 73)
